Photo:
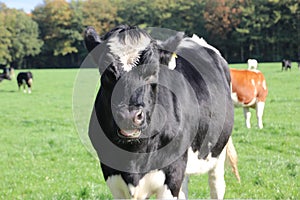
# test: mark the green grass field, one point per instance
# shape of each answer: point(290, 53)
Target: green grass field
point(42, 156)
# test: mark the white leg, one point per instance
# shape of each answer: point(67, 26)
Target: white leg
point(184, 188)
point(118, 187)
point(165, 193)
point(247, 115)
point(259, 113)
point(24, 88)
point(216, 178)
point(29, 90)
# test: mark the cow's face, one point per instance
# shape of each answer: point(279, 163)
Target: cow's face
point(130, 78)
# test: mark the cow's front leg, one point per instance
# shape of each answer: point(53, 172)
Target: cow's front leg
point(118, 187)
point(247, 115)
point(216, 178)
point(184, 191)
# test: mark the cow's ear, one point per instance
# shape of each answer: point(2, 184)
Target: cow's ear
point(91, 38)
point(172, 42)
point(168, 47)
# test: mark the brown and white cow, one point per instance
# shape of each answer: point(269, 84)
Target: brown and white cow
point(249, 90)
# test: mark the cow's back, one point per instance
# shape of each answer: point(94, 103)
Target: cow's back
point(248, 84)
point(209, 75)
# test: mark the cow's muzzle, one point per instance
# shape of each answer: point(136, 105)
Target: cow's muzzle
point(130, 122)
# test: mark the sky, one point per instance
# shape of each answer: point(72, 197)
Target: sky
point(26, 5)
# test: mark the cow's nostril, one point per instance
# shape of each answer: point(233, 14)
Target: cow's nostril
point(139, 117)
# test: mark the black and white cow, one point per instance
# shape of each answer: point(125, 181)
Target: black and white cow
point(5, 75)
point(286, 64)
point(25, 78)
point(163, 112)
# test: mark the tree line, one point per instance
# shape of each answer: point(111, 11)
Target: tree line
point(52, 34)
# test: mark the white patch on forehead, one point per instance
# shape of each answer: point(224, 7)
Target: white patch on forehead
point(203, 43)
point(129, 51)
point(199, 166)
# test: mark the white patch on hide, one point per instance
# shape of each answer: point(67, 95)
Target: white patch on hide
point(216, 178)
point(118, 187)
point(253, 82)
point(202, 42)
point(251, 103)
point(199, 166)
point(151, 183)
point(235, 99)
point(264, 85)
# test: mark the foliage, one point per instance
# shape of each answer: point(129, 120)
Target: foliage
point(101, 14)
point(172, 14)
point(270, 29)
point(267, 30)
point(19, 37)
point(222, 17)
point(58, 27)
point(5, 36)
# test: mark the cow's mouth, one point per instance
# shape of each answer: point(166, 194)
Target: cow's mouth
point(129, 133)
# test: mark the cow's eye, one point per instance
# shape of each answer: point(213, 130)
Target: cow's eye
point(108, 77)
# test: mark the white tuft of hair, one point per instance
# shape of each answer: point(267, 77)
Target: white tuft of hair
point(203, 43)
point(129, 51)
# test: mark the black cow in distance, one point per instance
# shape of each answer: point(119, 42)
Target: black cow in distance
point(25, 79)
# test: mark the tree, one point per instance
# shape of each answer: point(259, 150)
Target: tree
point(60, 30)
point(5, 36)
point(101, 14)
point(20, 37)
point(221, 19)
point(222, 16)
point(268, 29)
point(55, 21)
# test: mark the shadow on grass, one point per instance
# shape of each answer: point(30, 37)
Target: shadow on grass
point(9, 91)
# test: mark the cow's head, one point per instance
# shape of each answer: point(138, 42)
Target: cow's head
point(129, 61)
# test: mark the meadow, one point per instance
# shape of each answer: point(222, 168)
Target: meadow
point(43, 157)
